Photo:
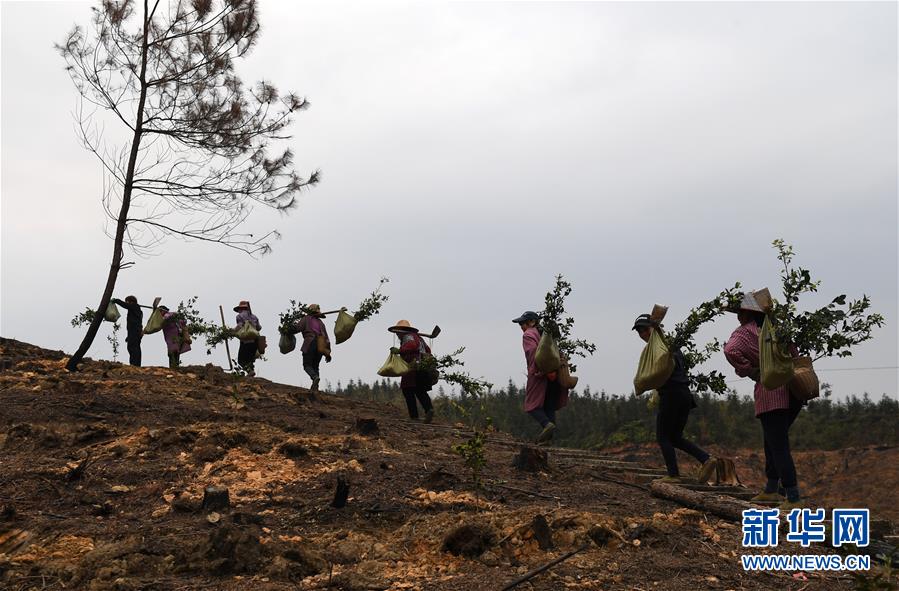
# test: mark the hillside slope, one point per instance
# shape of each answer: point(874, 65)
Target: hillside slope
point(103, 473)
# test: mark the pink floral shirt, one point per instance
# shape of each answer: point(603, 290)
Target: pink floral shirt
point(742, 351)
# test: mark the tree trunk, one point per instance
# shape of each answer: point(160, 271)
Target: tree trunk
point(121, 221)
point(716, 504)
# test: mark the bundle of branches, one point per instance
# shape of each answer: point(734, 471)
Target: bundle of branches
point(371, 305)
point(682, 337)
point(196, 325)
point(292, 316)
point(829, 331)
point(87, 317)
point(445, 364)
point(560, 326)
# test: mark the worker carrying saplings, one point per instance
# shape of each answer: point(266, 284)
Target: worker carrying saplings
point(544, 395)
point(675, 403)
point(134, 324)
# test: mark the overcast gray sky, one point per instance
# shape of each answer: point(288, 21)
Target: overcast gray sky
point(470, 151)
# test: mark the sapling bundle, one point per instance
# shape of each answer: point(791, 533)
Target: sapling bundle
point(196, 326)
point(559, 326)
point(288, 320)
point(87, 317)
point(829, 331)
point(370, 306)
point(446, 366)
point(683, 335)
point(826, 332)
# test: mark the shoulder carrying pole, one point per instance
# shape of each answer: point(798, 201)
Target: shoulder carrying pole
point(227, 348)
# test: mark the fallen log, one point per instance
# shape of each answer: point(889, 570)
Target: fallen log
point(721, 505)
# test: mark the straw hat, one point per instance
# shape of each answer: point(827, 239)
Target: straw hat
point(315, 310)
point(403, 326)
point(243, 305)
point(749, 303)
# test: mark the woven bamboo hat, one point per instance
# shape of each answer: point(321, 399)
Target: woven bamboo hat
point(403, 326)
point(243, 305)
point(748, 303)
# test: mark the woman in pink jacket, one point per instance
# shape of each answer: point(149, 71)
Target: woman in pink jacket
point(543, 394)
point(775, 409)
point(174, 332)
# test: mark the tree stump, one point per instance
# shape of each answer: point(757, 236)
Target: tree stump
point(367, 426)
point(531, 459)
point(341, 493)
point(542, 533)
point(215, 498)
point(468, 540)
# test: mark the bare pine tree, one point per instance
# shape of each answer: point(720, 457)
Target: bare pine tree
point(194, 157)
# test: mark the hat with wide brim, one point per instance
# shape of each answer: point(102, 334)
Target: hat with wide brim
point(243, 305)
point(314, 310)
point(402, 326)
point(748, 304)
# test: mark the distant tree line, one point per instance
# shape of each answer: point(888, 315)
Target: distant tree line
point(595, 420)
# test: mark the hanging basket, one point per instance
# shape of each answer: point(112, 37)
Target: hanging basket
point(804, 386)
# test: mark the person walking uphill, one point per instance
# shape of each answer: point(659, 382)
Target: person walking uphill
point(316, 344)
point(776, 409)
point(246, 354)
point(543, 394)
point(675, 403)
point(177, 339)
point(134, 325)
point(417, 383)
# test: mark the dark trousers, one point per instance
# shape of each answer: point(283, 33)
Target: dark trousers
point(133, 350)
point(174, 359)
point(776, 430)
point(246, 355)
point(670, 422)
point(311, 362)
point(547, 413)
point(420, 393)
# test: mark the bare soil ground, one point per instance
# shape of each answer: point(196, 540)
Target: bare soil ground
point(102, 477)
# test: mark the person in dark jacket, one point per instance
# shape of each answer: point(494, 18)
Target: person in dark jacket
point(246, 354)
point(135, 327)
point(675, 403)
point(415, 384)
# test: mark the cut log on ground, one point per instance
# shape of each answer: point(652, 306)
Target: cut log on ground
point(531, 459)
point(720, 505)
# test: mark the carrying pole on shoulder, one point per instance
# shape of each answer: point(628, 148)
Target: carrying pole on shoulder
point(227, 348)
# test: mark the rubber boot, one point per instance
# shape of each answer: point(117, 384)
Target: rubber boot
point(707, 470)
point(547, 434)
